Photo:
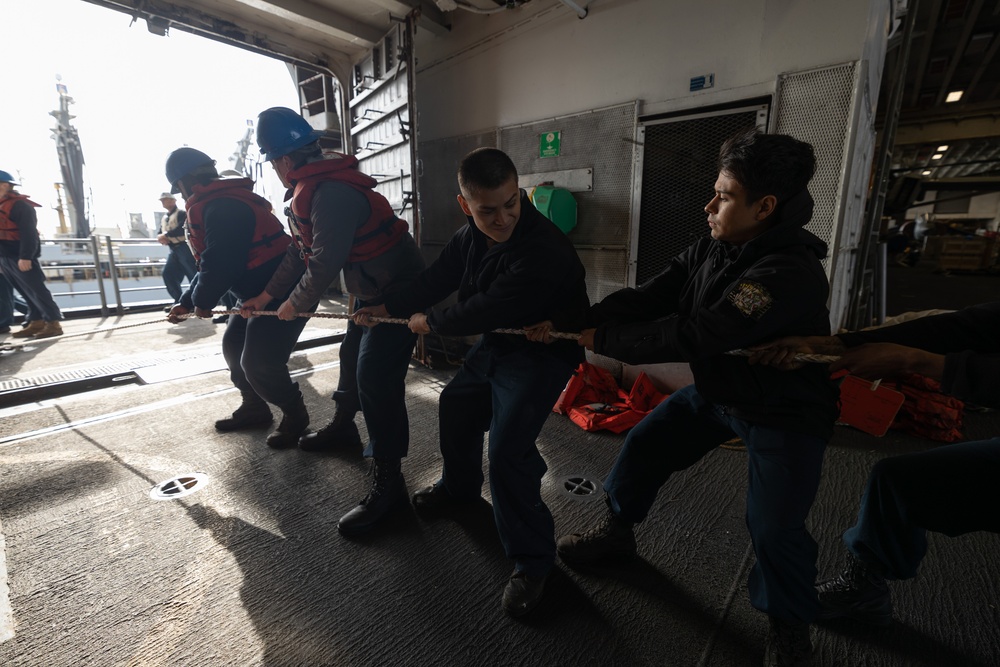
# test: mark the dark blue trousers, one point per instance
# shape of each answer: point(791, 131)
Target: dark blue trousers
point(951, 489)
point(346, 394)
point(31, 285)
point(783, 475)
point(6, 302)
point(383, 358)
point(180, 265)
point(257, 351)
point(510, 395)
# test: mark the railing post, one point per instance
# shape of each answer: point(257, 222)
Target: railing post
point(95, 249)
point(113, 270)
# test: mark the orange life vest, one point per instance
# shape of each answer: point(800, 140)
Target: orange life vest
point(381, 231)
point(269, 237)
point(8, 228)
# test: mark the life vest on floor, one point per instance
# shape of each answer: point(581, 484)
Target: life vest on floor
point(381, 231)
point(269, 237)
point(8, 228)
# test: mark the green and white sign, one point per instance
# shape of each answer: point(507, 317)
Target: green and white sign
point(548, 144)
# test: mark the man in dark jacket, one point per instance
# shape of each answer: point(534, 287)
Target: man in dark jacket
point(512, 267)
point(759, 274)
point(951, 490)
point(239, 244)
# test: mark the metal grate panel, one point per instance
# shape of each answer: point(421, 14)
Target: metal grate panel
point(815, 106)
point(439, 211)
point(601, 140)
point(679, 158)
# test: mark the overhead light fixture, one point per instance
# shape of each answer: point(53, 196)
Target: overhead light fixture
point(937, 156)
point(942, 149)
point(954, 96)
point(925, 172)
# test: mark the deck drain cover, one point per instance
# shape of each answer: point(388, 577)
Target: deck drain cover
point(581, 487)
point(178, 487)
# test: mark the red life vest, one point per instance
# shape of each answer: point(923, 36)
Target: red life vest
point(8, 228)
point(381, 231)
point(269, 237)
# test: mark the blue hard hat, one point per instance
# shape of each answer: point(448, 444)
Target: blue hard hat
point(280, 131)
point(182, 162)
point(5, 177)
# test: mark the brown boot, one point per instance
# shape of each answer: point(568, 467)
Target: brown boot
point(49, 330)
point(34, 326)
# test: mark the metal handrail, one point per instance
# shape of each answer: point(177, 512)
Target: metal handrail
point(103, 250)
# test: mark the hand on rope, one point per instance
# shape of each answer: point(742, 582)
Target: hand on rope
point(793, 352)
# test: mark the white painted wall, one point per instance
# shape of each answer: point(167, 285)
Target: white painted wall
point(541, 61)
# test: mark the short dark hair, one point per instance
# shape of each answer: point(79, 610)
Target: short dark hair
point(485, 169)
point(768, 164)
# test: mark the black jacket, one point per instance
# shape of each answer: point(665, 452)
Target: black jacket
point(534, 276)
point(969, 339)
point(715, 297)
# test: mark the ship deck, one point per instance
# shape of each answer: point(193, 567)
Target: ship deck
point(250, 569)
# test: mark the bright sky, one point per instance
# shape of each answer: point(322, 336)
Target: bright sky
point(137, 97)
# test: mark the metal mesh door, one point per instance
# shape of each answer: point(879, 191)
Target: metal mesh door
point(821, 106)
point(679, 157)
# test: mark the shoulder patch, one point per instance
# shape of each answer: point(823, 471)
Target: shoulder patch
point(750, 298)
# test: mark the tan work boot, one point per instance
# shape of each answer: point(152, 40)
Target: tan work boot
point(49, 330)
point(34, 326)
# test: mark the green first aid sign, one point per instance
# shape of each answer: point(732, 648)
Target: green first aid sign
point(548, 144)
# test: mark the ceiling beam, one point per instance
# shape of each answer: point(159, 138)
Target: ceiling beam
point(925, 51)
point(320, 19)
point(986, 62)
point(963, 43)
point(267, 40)
point(945, 131)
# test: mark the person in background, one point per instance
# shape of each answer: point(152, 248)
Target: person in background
point(340, 223)
point(512, 268)
point(20, 248)
point(757, 275)
point(951, 489)
point(180, 262)
point(238, 244)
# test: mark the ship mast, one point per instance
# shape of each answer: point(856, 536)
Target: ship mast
point(71, 163)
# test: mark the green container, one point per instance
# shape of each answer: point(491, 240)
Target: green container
point(556, 204)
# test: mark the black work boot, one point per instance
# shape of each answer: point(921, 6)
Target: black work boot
point(611, 538)
point(522, 593)
point(788, 644)
point(341, 432)
point(252, 413)
point(859, 592)
point(294, 422)
point(388, 492)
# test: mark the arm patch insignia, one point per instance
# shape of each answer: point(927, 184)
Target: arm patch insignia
point(751, 298)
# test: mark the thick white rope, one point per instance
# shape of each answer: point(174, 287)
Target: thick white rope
point(5, 346)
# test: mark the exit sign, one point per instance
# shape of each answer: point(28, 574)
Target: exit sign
point(548, 144)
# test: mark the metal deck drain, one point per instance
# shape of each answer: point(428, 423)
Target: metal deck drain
point(581, 487)
point(178, 487)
